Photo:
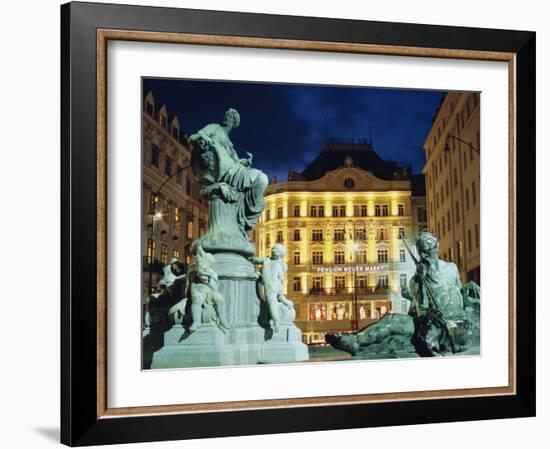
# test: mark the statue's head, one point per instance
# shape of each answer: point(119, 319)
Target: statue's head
point(278, 251)
point(231, 118)
point(427, 244)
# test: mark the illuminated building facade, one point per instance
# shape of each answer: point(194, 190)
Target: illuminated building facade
point(452, 181)
point(341, 220)
point(176, 215)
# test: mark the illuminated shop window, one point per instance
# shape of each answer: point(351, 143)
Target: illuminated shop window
point(317, 312)
point(339, 311)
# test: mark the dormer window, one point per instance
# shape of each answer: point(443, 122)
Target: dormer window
point(175, 132)
point(348, 162)
point(162, 120)
point(149, 108)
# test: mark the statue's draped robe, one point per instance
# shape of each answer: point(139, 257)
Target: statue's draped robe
point(223, 166)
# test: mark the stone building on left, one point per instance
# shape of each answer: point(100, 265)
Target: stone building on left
point(173, 213)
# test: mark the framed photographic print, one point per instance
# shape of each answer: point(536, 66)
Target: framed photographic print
point(278, 224)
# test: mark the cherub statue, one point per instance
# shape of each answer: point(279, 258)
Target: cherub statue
point(202, 288)
point(271, 280)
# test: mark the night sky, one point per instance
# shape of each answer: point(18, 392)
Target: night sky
point(284, 126)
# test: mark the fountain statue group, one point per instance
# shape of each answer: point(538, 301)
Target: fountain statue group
point(229, 307)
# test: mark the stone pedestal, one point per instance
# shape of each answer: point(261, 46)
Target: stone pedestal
point(248, 342)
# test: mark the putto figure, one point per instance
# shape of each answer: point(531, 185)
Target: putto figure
point(225, 176)
point(207, 303)
point(271, 279)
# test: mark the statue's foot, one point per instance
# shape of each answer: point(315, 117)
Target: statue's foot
point(224, 326)
point(193, 327)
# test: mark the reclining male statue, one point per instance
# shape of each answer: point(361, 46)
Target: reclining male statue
point(436, 322)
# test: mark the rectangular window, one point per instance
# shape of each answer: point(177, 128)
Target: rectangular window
point(443, 228)
point(164, 254)
point(402, 257)
point(175, 132)
point(296, 211)
point(467, 196)
point(339, 235)
point(457, 212)
point(455, 176)
point(403, 280)
point(317, 257)
point(448, 220)
point(150, 250)
point(297, 235)
point(356, 210)
point(187, 186)
point(382, 281)
point(149, 108)
point(153, 201)
point(438, 230)
point(377, 210)
point(465, 160)
point(155, 155)
point(364, 210)
point(317, 283)
point(321, 211)
point(317, 235)
point(361, 281)
point(297, 284)
point(339, 283)
point(459, 253)
point(339, 257)
point(179, 175)
point(474, 193)
point(313, 211)
point(401, 210)
point(360, 234)
point(279, 212)
point(476, 229)
point(168, 166)
point(296, 257)
point(401, 233)
point(175, 253)
point(382, 256)
point(268, 240)
point(280, 237)
point(382, 234)
point(177, 218)
point(469, 240)
point(166, 208)
point(361, 256)
point(385, 210)
point(342, 211)
point(189, 229)
point(478, 144)
point(447, 188)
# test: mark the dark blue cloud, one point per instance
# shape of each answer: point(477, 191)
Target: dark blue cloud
point(285, 126)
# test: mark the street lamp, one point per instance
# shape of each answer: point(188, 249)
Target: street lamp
point(354, 248)
point(469, 144)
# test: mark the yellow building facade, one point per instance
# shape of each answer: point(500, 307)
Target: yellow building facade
point(346, 260)
point(452, 173)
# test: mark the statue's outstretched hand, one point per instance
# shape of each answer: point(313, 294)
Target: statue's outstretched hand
point(247, 162)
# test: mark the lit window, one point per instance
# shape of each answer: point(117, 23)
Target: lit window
point(317, 257)
point(153, 201)
point(279, 212)
point(339, 257)
point(175, 253)
point(189, 229)
point(382, 256)
point(164, 254)
point(339, 283)
point(361, 256)
point(382, 234)
point(150, 250)
point(177, 218)
point(339, 234)
point(317, 235)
